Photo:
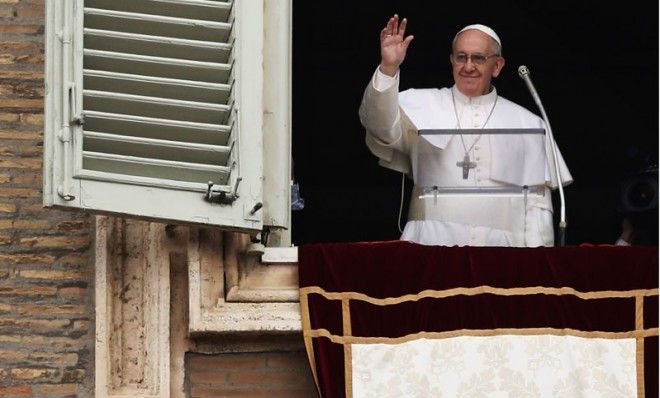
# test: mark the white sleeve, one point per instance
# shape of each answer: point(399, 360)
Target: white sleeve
point(379, 110)
point(382, 81)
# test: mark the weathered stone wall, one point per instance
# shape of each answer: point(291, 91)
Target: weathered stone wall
point(46, 315)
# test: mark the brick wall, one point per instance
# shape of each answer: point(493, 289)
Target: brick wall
point(253, 375)
point(46, 321)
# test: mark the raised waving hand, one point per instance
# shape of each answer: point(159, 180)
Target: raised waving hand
point(393, 45)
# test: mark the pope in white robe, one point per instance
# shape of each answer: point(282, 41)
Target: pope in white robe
point(393, 120)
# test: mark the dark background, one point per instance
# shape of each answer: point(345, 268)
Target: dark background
point(595, 68)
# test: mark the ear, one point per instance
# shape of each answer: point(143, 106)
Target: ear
point(499, 64)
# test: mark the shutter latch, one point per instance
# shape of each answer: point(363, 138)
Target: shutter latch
point(222, 197)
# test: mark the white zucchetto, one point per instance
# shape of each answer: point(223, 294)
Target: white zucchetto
point(483, 28)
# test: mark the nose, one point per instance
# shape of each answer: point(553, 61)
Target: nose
point(469, 65)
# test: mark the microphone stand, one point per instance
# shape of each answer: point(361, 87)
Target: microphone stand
point(523, 72)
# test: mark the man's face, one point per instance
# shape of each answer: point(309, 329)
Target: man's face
point(472, 79)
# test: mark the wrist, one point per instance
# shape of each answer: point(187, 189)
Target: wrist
point(388, 70)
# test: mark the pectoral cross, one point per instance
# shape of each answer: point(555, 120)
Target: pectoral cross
point(466, 165)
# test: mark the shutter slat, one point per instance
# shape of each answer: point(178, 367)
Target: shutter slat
point(155, 148)
point(148, 181)
point(159, 46)
point(157, 25)
point(156, 66)
point(194, 9)
point(155, 168)
point(166, 129)
point(198, 112)
point(186, 90)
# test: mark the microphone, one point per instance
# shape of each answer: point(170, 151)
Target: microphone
point(524, 73)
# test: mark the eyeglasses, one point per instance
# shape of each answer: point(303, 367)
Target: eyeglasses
point(477, 59)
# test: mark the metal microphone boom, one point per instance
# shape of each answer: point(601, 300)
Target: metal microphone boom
point(524, 73)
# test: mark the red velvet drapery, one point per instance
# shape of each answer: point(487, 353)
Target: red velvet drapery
point(386, 291)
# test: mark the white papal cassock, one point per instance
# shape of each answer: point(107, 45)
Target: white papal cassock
point(393, 119)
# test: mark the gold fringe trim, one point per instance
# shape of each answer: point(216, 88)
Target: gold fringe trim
point(474, 291)
point(637, 334)
point(639, 354)
point(309, 347)
point(348, 351)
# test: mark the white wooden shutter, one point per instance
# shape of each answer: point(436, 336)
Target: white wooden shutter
point(150, 100)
